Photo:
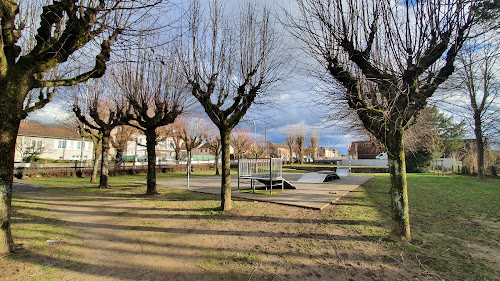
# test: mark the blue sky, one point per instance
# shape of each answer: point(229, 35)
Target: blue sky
point(293, 100)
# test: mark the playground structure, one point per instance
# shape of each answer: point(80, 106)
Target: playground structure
point(268, 171)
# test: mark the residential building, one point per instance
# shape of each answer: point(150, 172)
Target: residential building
point(326, 153)
point(204, 149)
point(365, 149)
point(136, 148)
point(279, 151)
point(51, 142)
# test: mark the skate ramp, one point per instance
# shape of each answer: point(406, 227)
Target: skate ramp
point(277, 183)
point(318, 177)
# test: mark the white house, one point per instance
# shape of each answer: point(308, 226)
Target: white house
point(51, 142)
point(137, 148)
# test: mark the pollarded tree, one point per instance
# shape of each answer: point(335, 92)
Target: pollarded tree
point(258, 147)
point(39, 40)
point(227, 67)
point(155, 88)
point(119, 141)
point(314, 140)
point(192, 130)
point(300, 141)
point(240, 140)
point(101, 109)
point(387, 58)
point(290, 133)
point(96, 138)
point(214, 144)
point(174, 131)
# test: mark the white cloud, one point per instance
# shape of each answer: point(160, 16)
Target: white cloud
point(53, 113)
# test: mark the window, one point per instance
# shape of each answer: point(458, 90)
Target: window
point(36, 144)
point(79, 145)
point(61, 144)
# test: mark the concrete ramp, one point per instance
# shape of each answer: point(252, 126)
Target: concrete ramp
point(319, 177)
point(277, 183)
point(342, 172)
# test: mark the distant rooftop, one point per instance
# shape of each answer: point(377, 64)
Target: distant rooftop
point(39, 130)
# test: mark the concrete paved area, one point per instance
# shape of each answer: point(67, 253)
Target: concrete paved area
point(308, 195)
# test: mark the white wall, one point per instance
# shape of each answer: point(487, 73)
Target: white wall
point(50, 148)
point(366, 162)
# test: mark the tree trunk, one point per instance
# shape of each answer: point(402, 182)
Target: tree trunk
point(97, 155)
point(177, 151)
point(103, 180)
point(478, 131)
point(399, 189)
point(217, 164)
point(226, 171)
point(151, 149)
point(9, 128)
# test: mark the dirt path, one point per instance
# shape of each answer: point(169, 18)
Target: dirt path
point(110, 244)
point(133, 238)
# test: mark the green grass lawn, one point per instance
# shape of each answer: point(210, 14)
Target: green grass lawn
point(455, 220)
point(455, 223)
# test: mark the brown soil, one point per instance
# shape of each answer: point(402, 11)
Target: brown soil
point(131, 238)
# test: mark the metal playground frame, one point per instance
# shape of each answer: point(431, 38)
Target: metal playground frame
point(263, 170)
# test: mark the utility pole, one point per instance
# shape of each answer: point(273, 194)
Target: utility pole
point(265, 139)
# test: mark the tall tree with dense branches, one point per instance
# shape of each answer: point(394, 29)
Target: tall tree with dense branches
point(387, 58)
point(227, 68)
point(39, 40)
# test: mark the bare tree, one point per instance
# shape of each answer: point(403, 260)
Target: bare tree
point(387, 59)
point(479, 78)
point(214, 144)
point(314, 140)
point(39, 41)
point(192, 131)
point(119, 141)
point(258, 147)
point(156, 91)
point(96, 137)
point(174, 131)
point(300, 141)
point(99, 108)
point(290, 135)
point(240, 140)
point(227, 68)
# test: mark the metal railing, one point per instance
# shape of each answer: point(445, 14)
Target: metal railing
point(270, 169)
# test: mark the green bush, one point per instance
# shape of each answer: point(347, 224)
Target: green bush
point(418, 162)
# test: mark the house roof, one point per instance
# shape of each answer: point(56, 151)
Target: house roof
point(39, 130)
point(204, 145)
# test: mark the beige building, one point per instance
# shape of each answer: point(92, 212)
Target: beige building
point(51, 142)
point(326, 153)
